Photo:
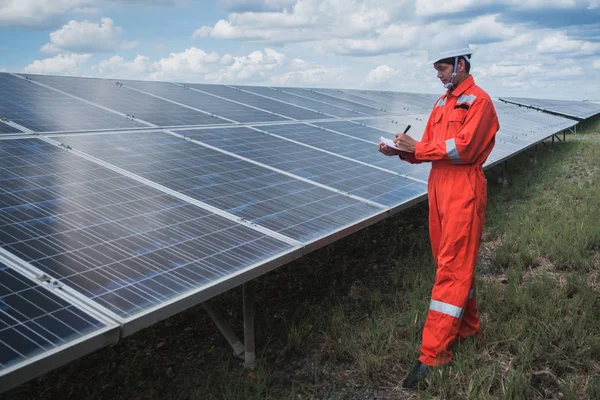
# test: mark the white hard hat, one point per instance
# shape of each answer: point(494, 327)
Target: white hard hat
point(446, 45)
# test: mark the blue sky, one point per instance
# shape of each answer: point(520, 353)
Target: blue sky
point(534, 48)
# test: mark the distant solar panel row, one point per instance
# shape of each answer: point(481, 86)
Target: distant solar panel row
point(575, 109)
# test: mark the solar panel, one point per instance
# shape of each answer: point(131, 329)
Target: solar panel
point(575, 109)
point(223, 108)
point(279, 202)
point(44, 110)
point(36, 323)
point(351, 105)
point(8, 129)
point(115, 96)
point(363, 181)
point(263, 103)
point(124, 245)
point(318, 106)
point(348, 146)
point(400, 105)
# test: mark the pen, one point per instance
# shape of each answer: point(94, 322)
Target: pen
point(406, 130)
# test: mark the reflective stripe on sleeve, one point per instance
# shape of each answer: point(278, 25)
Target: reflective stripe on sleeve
point(452, 151)
point(446, 308)
point(471, 293)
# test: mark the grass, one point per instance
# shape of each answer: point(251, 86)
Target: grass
point(345, 321)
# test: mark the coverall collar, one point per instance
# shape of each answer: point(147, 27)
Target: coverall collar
point(467, 83)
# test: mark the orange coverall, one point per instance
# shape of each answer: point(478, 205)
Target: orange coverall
point(458, 138)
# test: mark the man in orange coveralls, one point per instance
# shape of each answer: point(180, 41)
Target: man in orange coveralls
point(458, 138)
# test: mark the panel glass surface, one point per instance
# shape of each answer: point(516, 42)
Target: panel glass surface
point(263, 103)
point(214, 105)
point(44, 110)
point(33, 320)
point(387, 103)
point(116, 97)
point(276, 201)
point(578, 109)
point(127, 246)
point(351, 147)
point(350, 105)
point(348, 176)
point(8, 129)
point(326, 109)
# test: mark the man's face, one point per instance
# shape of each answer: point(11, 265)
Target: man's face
point(444, 72)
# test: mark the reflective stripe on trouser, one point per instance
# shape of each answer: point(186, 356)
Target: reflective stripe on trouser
point(457, 198)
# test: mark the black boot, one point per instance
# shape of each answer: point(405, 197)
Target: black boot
point(417, 376)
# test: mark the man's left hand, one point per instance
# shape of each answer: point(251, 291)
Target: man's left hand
point(405, 142)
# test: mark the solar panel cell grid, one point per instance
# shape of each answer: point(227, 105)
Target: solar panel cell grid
point(33, 320)
point(276, 201)
point(44, 110)
point(107, 93)
point(8, 129)
point(125, 245)
point(204, 102)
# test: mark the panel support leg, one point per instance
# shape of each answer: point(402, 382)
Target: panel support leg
point(250, 356)
point(535, 153)
point(225, 328)
point(505, 173)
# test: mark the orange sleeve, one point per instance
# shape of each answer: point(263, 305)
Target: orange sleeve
point(477, 131)
point(412, 157)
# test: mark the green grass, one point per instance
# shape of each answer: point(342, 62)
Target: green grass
point(345, 322)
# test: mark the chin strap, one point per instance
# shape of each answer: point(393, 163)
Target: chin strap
point(451, 83)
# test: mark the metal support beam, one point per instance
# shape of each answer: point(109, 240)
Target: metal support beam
point(553, 143)
point(505, 173)
point(558, 137)
point(248, 294)
point(225, 328)
point(535, 153)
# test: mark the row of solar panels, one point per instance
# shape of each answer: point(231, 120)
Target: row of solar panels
point(107, 230)
point(579, 110)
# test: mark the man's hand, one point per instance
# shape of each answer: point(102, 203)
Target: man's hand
point(388, 151)
point(405, 142)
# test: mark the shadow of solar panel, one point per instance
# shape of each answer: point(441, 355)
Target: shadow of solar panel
point(326, 109)
point(127, 246)
point(44, 110)
point(117, 97)
point(211, 104)
point(345, 175)
point(34, 321)
point(348, 146)
point(276, 201)
point(264, 103)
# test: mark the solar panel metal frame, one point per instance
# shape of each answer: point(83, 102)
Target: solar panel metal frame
point(536, 104)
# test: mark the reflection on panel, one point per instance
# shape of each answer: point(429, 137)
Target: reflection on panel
point(359, 180)
point(273, 200)
point(211, 104)
point(125, 245)
point(44, 110)
point(117, 97)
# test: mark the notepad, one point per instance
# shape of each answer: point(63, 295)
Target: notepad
point(390, 143)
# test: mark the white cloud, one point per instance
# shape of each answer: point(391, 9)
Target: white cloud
point(36, 12)
point(561, 43)
point(596, 64)
point(486, 28)
point(253, 66)
point(88, 37)
point(189, 65)
point(62, 64)
point(382, 74)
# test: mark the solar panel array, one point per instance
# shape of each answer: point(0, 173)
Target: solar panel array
point(124, 202)
point(579, 110)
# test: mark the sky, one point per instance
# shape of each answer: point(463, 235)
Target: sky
point(525, 48)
